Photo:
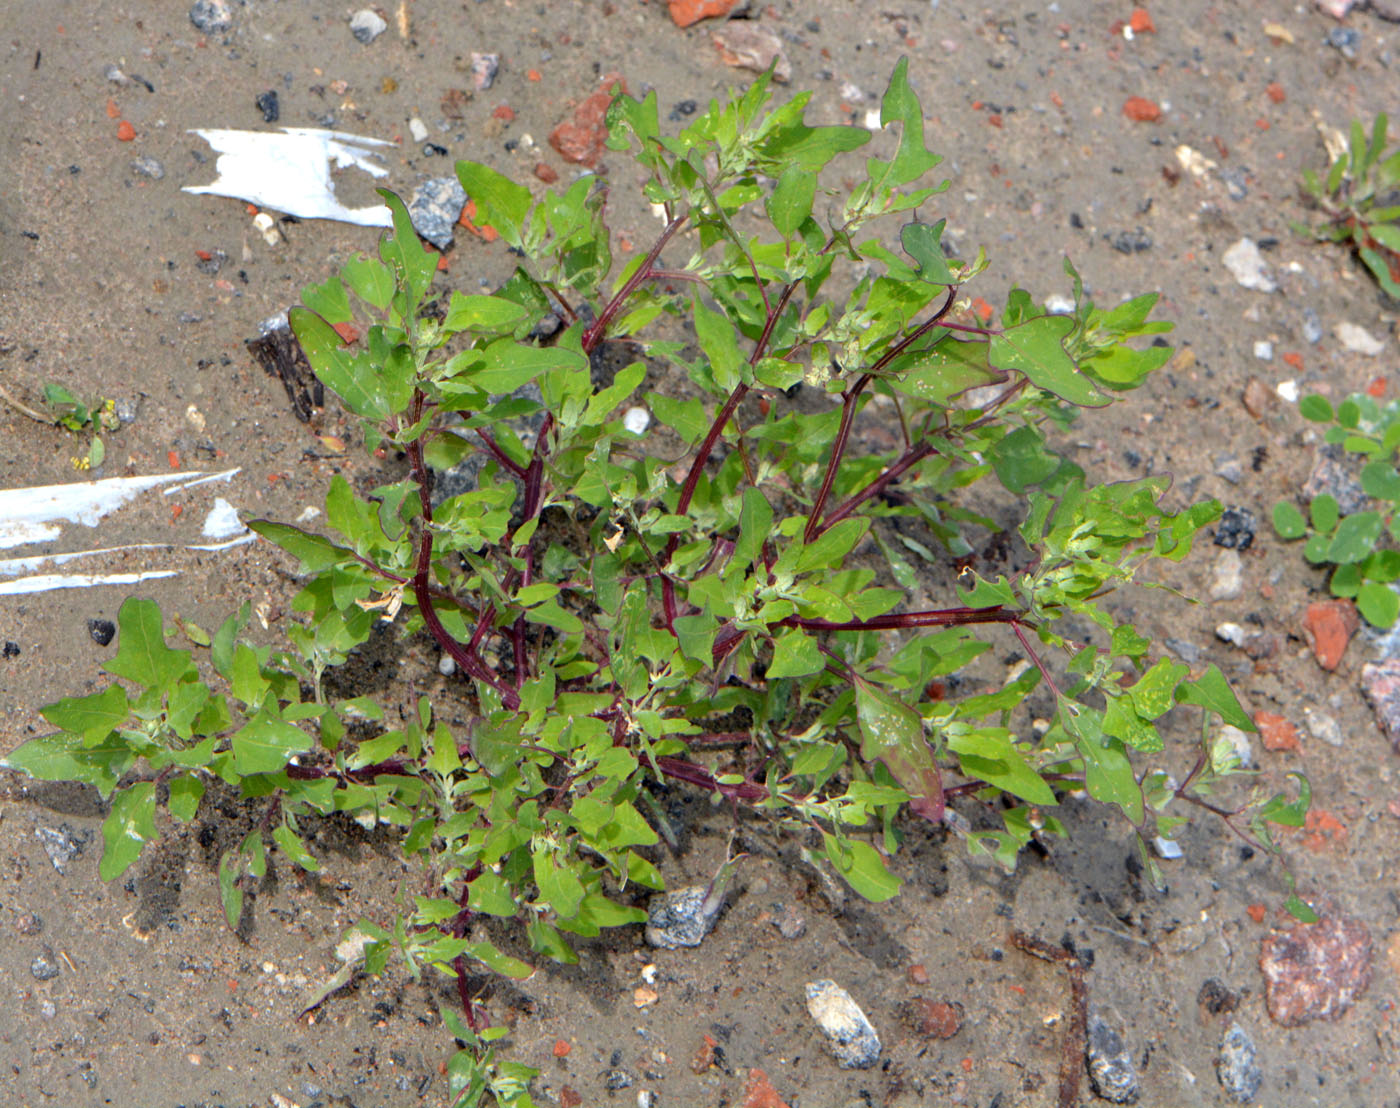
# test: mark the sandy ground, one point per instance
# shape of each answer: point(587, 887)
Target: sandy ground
point(114, 283)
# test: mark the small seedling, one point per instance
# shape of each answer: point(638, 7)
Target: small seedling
point(1360, 198)
point(1358, 544)
point(78, 417)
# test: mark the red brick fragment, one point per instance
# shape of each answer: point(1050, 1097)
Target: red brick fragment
point(1276, 732)
point(125, 131)
point(1141, 110)
point(580, 139)
point(686, 12)
point(1141, 22)
point(937, 1019)
point(1328, 626)
point(1275, 92)
point(760, 1092)
point(546, 173)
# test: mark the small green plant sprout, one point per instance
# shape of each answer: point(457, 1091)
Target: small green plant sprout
point(1360, 200)
point(785, 594)
point(1360, 545)
point(71, 413)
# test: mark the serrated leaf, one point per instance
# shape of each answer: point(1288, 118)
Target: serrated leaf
point(1036, 349)
point(129, 826)
point(1213, 693)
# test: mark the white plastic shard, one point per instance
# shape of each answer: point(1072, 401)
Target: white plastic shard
point(29, 515)
point(289, 170)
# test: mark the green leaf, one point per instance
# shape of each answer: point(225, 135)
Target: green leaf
point(893, 733)
point(313, 552)
point(1108, 774)
point(1324, 512)
point(790, 202)
point(1021, 460)
point(912, 159)
point(91, 718)
point(328, 300)
point(1379, 479)
point(493, 959)
point(924, 243)
point(294, 848)
point(1036, 349)
point(715, 334)
point(755, 528)
point(413, 264)
point(482, 313)
point(372, 281)
point(509, 365)
point(63, 757)
point(500, 202)
point(266, 743)
point(1316, 408)
point(795, 654)
point(862, 867)
point(129, 826)
point(1213, 693)
point(559, 887)
point(1289, 521)
point(1378, 604)
point(1155, 690)
point(230, 870)
point(1356, 537)
point(1122, 721)
point(143, 656)
point(989, 754)
point(186, 791)
point(351, 378)
point(491, 893)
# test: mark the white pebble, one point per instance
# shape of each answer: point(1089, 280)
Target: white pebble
point(1231, 633)
point(1358, 340)
point(1264, 350)
point(848, 1032)
point(267, 227)
point(1287, 390)
point(1056, 304)
point(636, 420)
point(1168, 848)
point(1247, 265)
point(446, 665)
point(1230, 740)
point(367, 25)
point(1227, 579)
point(418, 129)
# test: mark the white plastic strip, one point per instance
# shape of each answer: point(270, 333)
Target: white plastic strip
point(46, 582)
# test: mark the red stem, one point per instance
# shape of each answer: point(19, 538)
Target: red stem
point(594, 335)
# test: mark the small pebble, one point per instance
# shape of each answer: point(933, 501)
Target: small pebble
point(418, 129)
point(1246, 265)
point(1323, 727)
point(1230, 632)
point(29, 923)
point(1111, 1070)
point(101, 630)
point(211, 16)
point(1240, 1076)
point(1345, 40)
point(1358, 340)
point(44, 967)
point(1315, 970)
point(447, 666)
point(1235, 183)
point(1264, 350)
point(636, 420)
point(1058, 304)
point(1227, 577)
point(1288, 391)
point(62, 844)
point(1168, 849)
point(367, 25)
point(1235, 530)
point(1228, 468)
point(849, 1034)
point(1132, 242)
point(682, 917)
point(147, 166)
point(1312, 326)
point(268, 104)
point(484, 70)
point(791, 923)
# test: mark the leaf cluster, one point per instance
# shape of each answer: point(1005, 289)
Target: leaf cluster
point(1360, 544)
point(1360, 199)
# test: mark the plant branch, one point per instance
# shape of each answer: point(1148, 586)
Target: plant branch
point(594, 335)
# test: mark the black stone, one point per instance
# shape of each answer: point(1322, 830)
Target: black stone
point(268, 105)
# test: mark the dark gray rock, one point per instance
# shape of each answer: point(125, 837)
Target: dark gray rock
point(44, 967)
point(1111, 1069)
point(1240, 1076)
point(62, 843)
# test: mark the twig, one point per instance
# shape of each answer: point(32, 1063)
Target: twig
point(24, 409)
point(1072, 1056)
